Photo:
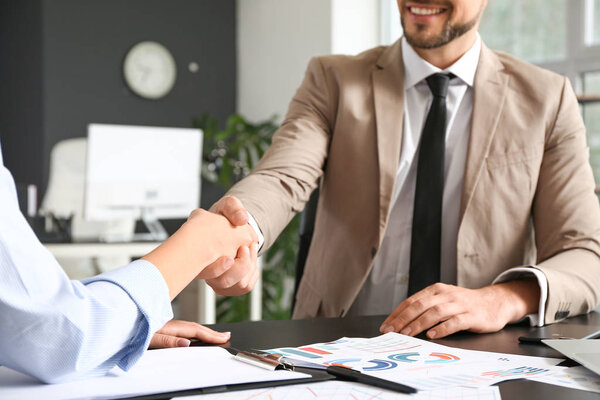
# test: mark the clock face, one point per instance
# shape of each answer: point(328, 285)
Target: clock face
point(149, 70)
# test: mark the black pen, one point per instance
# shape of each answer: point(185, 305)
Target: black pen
point(348, 374)
point(538, 340)
point(276, 361)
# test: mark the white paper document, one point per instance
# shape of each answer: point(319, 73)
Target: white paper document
point(158, 371)
point(336, 390)
point(575, 378)
point(421, 364)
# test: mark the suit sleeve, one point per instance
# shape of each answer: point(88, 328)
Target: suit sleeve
point(281, 183)
point(566, 216)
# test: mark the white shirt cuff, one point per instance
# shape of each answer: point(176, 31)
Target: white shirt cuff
point(254, 225)
point(520, 272)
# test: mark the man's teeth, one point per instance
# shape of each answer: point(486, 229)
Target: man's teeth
point(425, 11)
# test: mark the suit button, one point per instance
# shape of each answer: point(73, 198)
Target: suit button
point(373, 252)
point(561, 314)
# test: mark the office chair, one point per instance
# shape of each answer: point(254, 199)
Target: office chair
point(64, 200)
point(307, 227)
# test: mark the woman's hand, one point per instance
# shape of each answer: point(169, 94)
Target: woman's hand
point(177, 333)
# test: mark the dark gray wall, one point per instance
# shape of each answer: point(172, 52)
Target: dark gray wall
point(21, 113)
point(79, 46)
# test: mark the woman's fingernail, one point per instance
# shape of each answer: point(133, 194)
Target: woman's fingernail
point(406, 331)
point(181, 342)
point(226, 334)
point(386, 328)
point(431, 334)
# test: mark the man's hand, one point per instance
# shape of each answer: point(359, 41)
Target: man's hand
point(232, 209)
point(226, 276)
point(242, 275)
point(445, 309)
point(177, 334)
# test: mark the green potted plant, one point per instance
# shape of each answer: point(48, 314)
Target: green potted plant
point(229, 154)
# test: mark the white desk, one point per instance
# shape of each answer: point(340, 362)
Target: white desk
point(95, 250)
point(206, 298)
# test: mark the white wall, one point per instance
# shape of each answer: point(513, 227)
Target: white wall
point(390, 27)
point(355, 25)
point(277, 38)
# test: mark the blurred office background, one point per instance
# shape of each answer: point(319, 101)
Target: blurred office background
point(238, 63)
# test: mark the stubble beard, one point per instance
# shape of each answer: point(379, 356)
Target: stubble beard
point(449, 32)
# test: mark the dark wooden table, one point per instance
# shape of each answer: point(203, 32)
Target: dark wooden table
point(271, 334)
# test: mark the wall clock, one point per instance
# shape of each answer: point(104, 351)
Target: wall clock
point(149, 70)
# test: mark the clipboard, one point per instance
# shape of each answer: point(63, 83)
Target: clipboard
point(315, 376)
point(274, 361)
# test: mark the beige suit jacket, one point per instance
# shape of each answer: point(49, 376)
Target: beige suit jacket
point(528, 195)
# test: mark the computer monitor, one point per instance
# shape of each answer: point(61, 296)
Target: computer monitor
point(145, 172)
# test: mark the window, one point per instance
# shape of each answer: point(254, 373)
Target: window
point(593, 24)
point(507, 25)
point(591, 116)
point(559, 35)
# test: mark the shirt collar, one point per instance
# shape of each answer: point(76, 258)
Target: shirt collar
point(417, 69)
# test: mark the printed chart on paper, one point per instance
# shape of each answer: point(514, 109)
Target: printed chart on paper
point(420, 363)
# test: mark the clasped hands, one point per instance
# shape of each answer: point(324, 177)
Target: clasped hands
point(229, 276)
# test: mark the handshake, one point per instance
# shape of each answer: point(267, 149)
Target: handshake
point(218, 246)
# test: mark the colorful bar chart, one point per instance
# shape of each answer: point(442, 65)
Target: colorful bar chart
point(298, 352)
point(315, 350)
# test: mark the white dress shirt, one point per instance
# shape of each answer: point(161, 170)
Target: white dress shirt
point(387, 284)
point(56, 329)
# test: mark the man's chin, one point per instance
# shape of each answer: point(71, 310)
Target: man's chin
point(424, 41)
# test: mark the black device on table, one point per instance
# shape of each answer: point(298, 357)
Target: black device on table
point(566, 329)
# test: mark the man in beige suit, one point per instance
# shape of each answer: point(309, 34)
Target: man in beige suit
point(520, 223)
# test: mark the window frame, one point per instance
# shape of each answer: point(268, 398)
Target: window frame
point(581, 57)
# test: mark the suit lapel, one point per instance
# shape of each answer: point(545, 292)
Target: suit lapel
point(388, 92)
point(490, 87)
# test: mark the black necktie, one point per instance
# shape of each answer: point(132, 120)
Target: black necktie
point(425, 249)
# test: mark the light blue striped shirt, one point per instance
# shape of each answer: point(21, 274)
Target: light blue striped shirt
point(56, 329)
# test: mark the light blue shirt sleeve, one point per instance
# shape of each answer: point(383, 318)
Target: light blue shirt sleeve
point(56, 329)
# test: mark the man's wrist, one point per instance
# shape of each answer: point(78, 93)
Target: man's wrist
point(519, 297)
point(252, 222)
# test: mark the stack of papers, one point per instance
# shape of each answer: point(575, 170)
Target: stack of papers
point(422, 364)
